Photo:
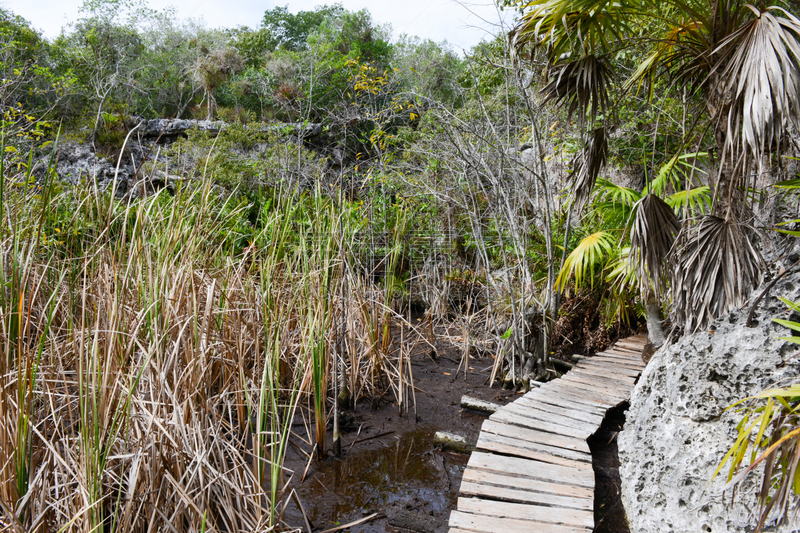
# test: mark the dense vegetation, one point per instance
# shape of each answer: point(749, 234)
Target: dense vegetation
point(532, 190)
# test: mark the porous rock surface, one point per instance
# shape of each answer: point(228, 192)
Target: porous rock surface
point(677, 429)
point(77, 164)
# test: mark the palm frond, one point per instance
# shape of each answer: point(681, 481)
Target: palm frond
point(691, 203)
point(715, 266)
point(580, 84)
point(623, 283)
point(590, 254)
point(609, 191)
point(652, 235)
point(682, 52)
point(588, 164)
point(759, 62)
point(679, 172)
point(566, 26)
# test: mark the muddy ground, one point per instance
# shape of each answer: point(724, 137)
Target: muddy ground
point(392, 477)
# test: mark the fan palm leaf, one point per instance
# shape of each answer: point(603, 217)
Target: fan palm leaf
point(760, 63)
point(588, 164)
point(589, 256)
point(622, 278)
point(693, 202)
point(652, 235)
point(563, 26)
point(580, 85)
point(678, 172)
point(716, 265)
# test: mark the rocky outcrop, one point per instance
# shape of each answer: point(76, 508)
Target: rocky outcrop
point(167, 129)
point(77, 164)
point(678, 430)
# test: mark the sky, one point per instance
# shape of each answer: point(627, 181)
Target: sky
point(462, 23)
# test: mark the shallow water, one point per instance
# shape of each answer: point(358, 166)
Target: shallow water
point(407, 472)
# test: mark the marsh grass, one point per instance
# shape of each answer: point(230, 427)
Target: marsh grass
point(155, 352)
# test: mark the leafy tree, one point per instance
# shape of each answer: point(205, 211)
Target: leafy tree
point(291, 31)
point(431, 70)
point(100, 55)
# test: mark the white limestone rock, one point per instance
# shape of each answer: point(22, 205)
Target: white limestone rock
point(678, 430)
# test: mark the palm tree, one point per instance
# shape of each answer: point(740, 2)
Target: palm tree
point(741, 60)
point(628, 217)
point(212, 69)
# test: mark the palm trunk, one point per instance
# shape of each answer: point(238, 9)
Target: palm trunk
point(655, 329)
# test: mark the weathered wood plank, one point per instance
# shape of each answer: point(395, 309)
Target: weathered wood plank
point(534, 513)
point(634, 363)
point(587, 415)
point(628, 345)
point(551, 426)
point(574, 497)
point(526, 468)
point(620, 378)
point(557, 418)
point(523, 494)
point(509, 446)
point(583, 389)
point(599, 384)
point(624, 355)
point(609, 367)
point(557, 395)
point(491, 524)
point(535, 436)
point(605, 374)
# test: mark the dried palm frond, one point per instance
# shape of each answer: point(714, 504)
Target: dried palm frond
point(588, 164)
point(715, 266)
point(652, 235)
point(759, 62)
point(580, 84)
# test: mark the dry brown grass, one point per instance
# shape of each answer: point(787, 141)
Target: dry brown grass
point(152, 368)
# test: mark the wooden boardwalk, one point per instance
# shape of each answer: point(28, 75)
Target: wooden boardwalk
point(532, 469)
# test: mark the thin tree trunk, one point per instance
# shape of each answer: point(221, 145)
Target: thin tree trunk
point(655, 329)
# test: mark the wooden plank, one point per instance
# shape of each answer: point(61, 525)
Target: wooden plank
point(491, 524)
point(551, 426)
point(631, 362)
point(508, 446)
point(540, 414)
point(555, 388)
point(533, 513)
point(556, 451)
point(523, 494)
point(607, 359)
point(610, 367)
point(518, 467)
point(562, 398)
point(540, 489)
point(599, 384)
point(582, 388)
point(536, 436)
point(628, 345)
point(624, 354)
point(606, 374)
point(588, 415)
